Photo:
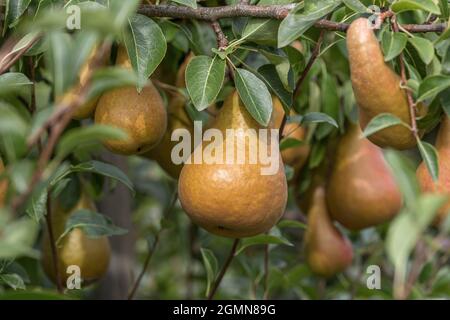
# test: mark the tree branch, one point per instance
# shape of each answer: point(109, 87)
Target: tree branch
point(56, 125)
point(278, 12)
point(224, 269)
point(151, 250)
point(411, 103)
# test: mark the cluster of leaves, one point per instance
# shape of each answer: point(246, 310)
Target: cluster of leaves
point(263, 61)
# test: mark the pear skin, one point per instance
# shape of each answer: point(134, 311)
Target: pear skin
point(91, 255)
point(295, 157)
point(233, 200)
point(3, 185)
point(328, 252)
point(441, 186)
point(178, 118)
point(361, 191)
point(142, 116)
point(377, 87)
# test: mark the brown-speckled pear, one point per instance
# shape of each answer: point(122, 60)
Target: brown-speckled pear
point(328, 251)
point(295, 157)
point(234, 200)
point(178, 119)
point(443, 184)
point(377, 87)
point(141, 115)
point(3, 185)
point(92, 255)
point(361, 191)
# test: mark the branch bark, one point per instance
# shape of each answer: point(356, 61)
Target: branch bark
point(278, 12)
point(224, 270)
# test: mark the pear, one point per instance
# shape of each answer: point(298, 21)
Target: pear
point(297, 156)
point(87, 109)
point(361, 191)
point(178, 119)
point(328, 252)
point(141, 115)
point(443, 184)
point(91, 255)
point(3, 185)
point(377, 87)
point(233, 200)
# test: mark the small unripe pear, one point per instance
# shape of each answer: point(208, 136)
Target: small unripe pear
point(328, 252)
point(441, 186)
point(91, 255)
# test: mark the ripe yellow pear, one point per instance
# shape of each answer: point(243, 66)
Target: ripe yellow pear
point(361, 191)
point(141, 115)
point(377, 87)
point(295, 157)
point(234, 200)
point(178, 119)
point(443, 184)
point(3, 185)
point(91, 255)
point(328, 252)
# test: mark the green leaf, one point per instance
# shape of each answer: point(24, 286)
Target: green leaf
point(393, 43)
point(443, 4)
point(211, 266)
point(103, 169)
point(319, 117)
point(290, 143)
point(285, 223)
point(106, 79)
point(84, 136)
point(93, 224)
point(17, 239)
point(407, 5)
point(255, 96)
point(146, 47)
point(37, 206)
point(122, 11)
point(13, 82)
point(356, 6)
point(14, 10)
point(430, 157)
point(37, 294)
point(424, 47)
point(404, 171)
point(295, 24)
point(204, 79)
point(269, 75)
point(261, 239)
point(13, 281)
point(432, 86)
point(187, 3)
point(58, 58)
point(380, 122)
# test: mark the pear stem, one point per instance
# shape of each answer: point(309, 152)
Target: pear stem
point(152, 250)
point(224, 269)
point(53, 249)
point(411, 103)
